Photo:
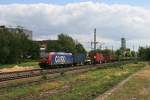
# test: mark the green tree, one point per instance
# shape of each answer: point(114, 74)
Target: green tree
point(144, 53)
point(54, 46)
point(80, 48)
point(4, 51)
point(15, 46)
point(133, 53)
point(67, 43)
point(106, 52)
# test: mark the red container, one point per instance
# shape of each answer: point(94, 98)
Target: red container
point(97, 57)
point(108, 58)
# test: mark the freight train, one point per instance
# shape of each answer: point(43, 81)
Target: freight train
point(62, 59)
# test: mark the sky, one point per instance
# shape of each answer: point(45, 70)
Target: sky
point(113, 19)
point(144, 3)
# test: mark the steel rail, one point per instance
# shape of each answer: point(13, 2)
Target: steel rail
point(38, 72)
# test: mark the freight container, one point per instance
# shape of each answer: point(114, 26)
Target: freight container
point(96, 58)
point(108, 58)
point(99, 58)
point(79, 59)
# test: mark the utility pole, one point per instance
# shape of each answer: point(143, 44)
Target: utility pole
point(95, 39)
point(91, 45)
point(133, 47)
point(101, 45)
point(95, 42)
point(112, 50)
point(94, 59)
point(135, 55)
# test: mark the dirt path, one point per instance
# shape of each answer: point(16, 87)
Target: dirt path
point(109, 92)
point(16, 68)
point(143, 73)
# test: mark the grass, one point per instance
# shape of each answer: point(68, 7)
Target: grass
point(89, 85)
point(137, 88)
point(85, 86)
point(28, 90)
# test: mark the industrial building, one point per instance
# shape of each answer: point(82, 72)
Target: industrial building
point(44, 43)
point(123, 43)
point(27, 32)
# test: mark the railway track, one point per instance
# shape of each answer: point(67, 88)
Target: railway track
point(38, 72)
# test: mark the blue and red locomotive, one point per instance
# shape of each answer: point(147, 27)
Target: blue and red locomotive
point(58, 59)
point(52, 59)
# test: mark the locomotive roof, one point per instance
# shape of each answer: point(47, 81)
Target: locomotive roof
point(60, 53)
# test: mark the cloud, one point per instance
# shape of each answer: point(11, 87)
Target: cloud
point(79, 20)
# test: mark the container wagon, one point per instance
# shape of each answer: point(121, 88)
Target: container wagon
point(79, 59)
